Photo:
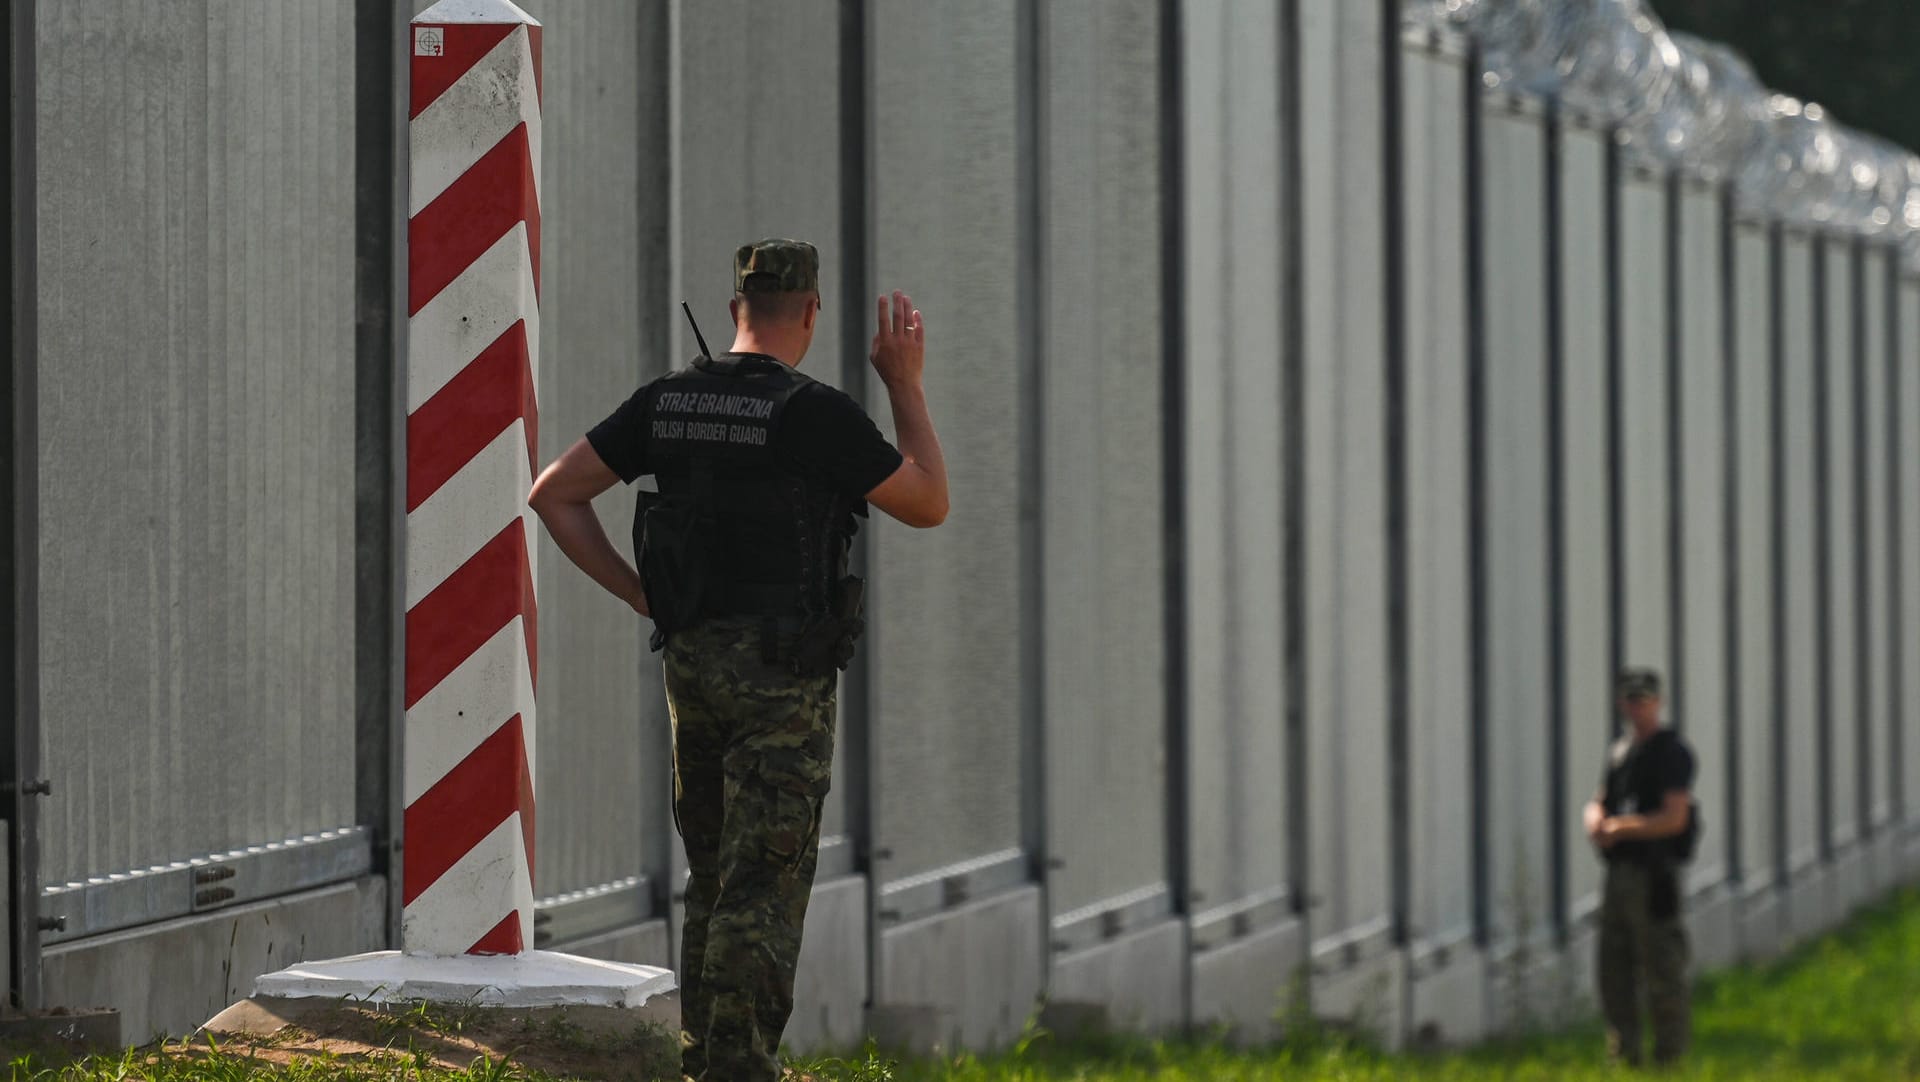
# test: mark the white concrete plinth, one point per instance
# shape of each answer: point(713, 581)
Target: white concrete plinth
point(532, 979)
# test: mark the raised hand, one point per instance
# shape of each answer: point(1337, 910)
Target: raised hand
point(900, 344)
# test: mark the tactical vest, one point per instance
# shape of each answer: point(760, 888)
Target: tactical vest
point(738, 528)
point(1623, 782)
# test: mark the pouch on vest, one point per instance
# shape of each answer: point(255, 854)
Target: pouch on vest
point(675, 538)
point(1682, 846)
point(826, 645)
point(1674, 849)
point(1663, 890)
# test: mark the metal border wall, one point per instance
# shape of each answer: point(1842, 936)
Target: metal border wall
point(1333, 405)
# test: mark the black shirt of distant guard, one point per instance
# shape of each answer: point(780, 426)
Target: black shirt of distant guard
point(1636, 782)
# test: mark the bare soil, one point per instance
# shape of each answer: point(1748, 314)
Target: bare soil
point(565, 1042)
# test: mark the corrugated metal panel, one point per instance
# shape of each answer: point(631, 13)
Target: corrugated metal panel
point(1346, 469)
point(605, 781)
point(1881, 264)
point(1641, 443)
point(1586, 711)
point(947, 662)
point(1235, 596)
point(756, 159)
point(1515, 701)
point(1753, 458)
point(1701, 686)
point(1105, 705)
point(1802, 646)
point(196, 315)
point(1841, 521)
point(1439, 653)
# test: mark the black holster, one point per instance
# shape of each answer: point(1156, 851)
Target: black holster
point(674, 540)
point(1663, 888)
point(826, 644)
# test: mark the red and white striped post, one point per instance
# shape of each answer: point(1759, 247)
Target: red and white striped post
point(473, 265)
point(473, 262)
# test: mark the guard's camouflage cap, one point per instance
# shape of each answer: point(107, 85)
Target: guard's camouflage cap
point(1637, 683)
point(776, 265)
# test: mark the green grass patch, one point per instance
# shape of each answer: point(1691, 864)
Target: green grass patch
point(404, 1042)
point(1845, 1008)
point(170, 1063)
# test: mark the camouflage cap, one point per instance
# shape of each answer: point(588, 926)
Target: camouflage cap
point(776, 265)
point(1637, 683)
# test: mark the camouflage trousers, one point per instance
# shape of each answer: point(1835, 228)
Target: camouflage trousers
point(1640, 953)
point(752, 751)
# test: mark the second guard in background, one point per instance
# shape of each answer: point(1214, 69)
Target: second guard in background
point(1644, 823)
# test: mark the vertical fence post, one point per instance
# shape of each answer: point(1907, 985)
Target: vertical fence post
point(1615, 331)
point(473, 360)
point(858, 733)
point(1777, 483)
point(1556, 361)
point(1293, 459)
point(1822, 553)
point(378, 370)
point(1031, 113)
point(19, 544)
point(1896, 565)
point(1399, 635)
point(1730, 529)
point(1678, 678)
point(1173, 458)
point(1479, 666)
point(1865, 638)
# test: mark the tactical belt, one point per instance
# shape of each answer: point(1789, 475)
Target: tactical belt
point(751, 599)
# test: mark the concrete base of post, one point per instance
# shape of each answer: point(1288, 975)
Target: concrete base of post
point(531, 979)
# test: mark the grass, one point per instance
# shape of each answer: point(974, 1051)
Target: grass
point(1845, 1008)
point(169, 1064)
point(399, 1042)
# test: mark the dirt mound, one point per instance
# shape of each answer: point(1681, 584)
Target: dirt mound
point(566, 1042)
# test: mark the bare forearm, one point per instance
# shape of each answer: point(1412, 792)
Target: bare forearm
point(577, 530)
point(913, 425)
point(1647, 828)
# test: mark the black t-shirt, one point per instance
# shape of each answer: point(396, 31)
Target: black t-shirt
point(822, 427)
point(1639, 777)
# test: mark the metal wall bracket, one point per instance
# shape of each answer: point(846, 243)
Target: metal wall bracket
point(954, 885)
point(1111, 918)
point(578, 914)
point(106, 903)
point(1241, 918)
